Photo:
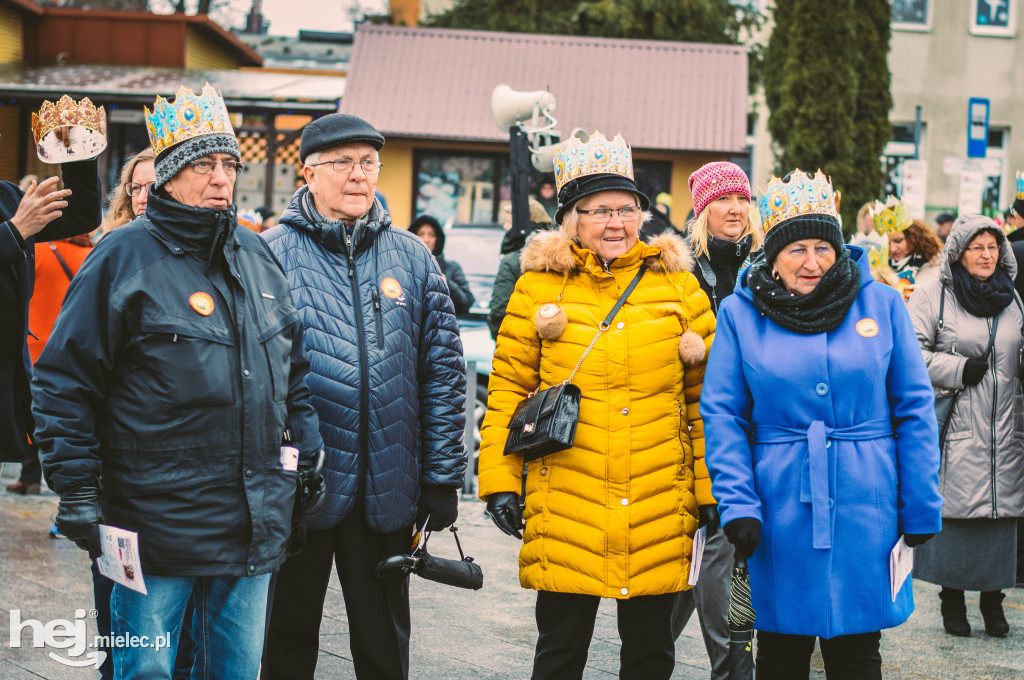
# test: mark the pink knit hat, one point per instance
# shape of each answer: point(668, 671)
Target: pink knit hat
point(710, 181)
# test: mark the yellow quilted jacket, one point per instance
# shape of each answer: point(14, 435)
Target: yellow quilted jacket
point(615, 515)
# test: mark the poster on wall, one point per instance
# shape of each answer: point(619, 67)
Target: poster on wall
point(438, 195)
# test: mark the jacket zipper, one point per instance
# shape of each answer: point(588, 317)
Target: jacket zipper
point(992, 426)
point(377, 318)
point(364, 378)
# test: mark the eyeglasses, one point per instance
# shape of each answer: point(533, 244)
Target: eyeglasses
point(133, 189)
point(626, 213)
point(204, 167)
point(343, 166)
point(978, 250)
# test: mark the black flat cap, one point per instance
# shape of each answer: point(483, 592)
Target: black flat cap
point(335, 129)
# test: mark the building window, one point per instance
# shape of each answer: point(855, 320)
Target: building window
point(911, 15)
point(993, 17)
point(997, 156)
point(456, 188)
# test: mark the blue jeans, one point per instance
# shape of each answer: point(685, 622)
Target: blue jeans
point(227, 626)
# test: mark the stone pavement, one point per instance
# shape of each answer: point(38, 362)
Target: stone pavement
point(457, 634)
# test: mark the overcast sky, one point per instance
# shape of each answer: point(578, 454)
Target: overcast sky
point(286, 17)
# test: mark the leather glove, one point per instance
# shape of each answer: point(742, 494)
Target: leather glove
point(441, 503)
point(914, 540)
point(310, 490)
point(744, 533)
point(503, 508)
point(974, 371)
point(707, 516)
point(79, 517)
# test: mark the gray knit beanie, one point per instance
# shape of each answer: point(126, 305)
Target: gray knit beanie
point(173, 160)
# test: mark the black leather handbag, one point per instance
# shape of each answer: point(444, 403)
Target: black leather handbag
point(545, 421)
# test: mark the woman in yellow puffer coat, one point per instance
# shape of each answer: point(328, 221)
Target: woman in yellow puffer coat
point(614, 515)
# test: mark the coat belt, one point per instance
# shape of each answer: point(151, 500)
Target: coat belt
point(814, 483)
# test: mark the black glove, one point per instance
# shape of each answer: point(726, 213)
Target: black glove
point(503, 508)
point(707, 516)
point(974, 371)
point(441, 503)
point(310, 490)
point(745, 534)
point(914, 540)
point(79, 517)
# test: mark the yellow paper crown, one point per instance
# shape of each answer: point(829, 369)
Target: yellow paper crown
point(879, 257)
point(595, 157)
point(87, 136)
point(890, 217)
point(798, 193)
point(187, 117)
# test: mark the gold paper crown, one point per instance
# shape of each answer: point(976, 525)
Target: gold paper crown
point(890, 217)
point(187, 117)
point(87, 136)
point(597, 156)
point(798, 193)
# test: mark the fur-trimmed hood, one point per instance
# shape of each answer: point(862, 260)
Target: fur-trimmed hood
point(555, 252)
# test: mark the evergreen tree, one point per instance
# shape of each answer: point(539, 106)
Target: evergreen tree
point(827, 86)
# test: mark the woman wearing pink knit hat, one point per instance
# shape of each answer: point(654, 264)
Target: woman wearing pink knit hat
point(722, 236)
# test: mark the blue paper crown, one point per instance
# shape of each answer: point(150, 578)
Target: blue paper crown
point(187, 117)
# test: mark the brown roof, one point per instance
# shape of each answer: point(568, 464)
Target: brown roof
point(423, 82)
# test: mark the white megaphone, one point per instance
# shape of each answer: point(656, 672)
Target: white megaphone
point(511, 107)
point(543, 159)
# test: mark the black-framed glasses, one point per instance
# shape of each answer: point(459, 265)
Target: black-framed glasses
point(343, 166)
point(133, 189)
point(206, 167)
point(626, 213)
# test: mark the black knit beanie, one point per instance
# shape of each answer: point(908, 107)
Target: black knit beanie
point(173, 160)
point(816, 226)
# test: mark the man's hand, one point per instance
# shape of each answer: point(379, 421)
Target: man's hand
point(79, 517)
point(441, 503)
point(503, 508)
point(311, 490)
point(41, 204)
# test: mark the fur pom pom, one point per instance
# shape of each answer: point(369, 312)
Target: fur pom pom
point(691, 348)
point(551, 321)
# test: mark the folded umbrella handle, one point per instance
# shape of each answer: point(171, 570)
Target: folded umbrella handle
point(405, 563)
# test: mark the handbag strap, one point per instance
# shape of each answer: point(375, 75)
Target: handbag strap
point(606, 324)
point(63, 265)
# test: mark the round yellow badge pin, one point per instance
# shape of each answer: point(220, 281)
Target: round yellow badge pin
point(391, 287)
point(202, 303)
point(867, 328)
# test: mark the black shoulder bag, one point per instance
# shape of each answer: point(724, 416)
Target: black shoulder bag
point(945, 403)
point(545, 421)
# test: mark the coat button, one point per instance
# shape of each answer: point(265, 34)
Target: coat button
point(246, 373)
point(831, 504)
point(620, 325)
point(625, 501)
point(543, 471)
point(625, 411)
point(821, 389)
point(248, 474)
point(251, 568)
point(624, 591)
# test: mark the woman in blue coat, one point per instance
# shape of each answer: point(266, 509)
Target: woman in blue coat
point(821, 438)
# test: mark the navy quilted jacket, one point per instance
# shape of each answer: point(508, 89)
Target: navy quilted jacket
point(387, 375)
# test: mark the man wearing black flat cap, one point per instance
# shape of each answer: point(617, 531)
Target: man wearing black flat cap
point(387, 377)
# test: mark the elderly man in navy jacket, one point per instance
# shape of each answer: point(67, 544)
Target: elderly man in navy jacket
point(387, 377)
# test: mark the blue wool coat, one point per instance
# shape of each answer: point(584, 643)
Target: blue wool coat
point(830, 441)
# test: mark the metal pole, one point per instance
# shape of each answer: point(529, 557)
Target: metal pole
point(519, 169)
point(917, 133)
point(469, 439)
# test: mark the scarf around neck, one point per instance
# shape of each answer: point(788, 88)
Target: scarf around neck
point(820, 311)
point(982, 298)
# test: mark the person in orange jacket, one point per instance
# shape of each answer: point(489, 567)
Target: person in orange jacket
point(56, 263)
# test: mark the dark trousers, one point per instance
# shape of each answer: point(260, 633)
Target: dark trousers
point(847, 657)
point(565, 623)
point(378, 610)
point(31, 469)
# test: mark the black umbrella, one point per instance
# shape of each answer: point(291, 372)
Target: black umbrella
point(741, 624)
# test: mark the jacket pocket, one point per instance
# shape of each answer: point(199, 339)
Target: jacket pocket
point(277, 349)
point(961, 421)
point(187, 364)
